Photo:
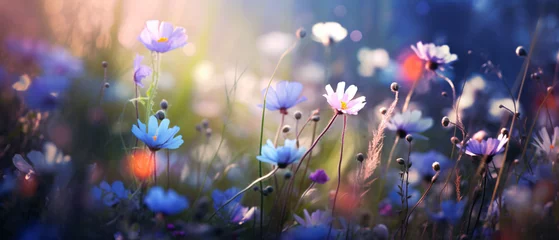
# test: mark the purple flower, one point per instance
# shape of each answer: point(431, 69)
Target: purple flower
point(485, 148)
point(437, 57)
point(284, 96)
point(410, 122)
point(167, 202)
point(237, 213)
point(319, 176)
point(162, 37)
point(140, 71)
point(60, 62)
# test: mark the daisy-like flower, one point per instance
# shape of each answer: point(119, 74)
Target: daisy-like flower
point(236, 213)
point(158, 137)
point(110, 194)
point(160, 201)
point(342, 100)
point(281, 156)
point(437, 57)
point(328, 33)
point(50, 161)
point(312, 226)
point(284, 96)
point(479, 149)
point(546, 145)
point(162, 37)
point(140, 71)
point(319, 176)
point(451, 212)
point(409, 122)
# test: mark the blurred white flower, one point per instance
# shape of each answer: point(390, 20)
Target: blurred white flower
point(311, 72)
point(328, 33)
point(494, 107)
point(371, 59)
point(273, 44)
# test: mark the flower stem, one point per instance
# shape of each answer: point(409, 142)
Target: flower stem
point(308, 159)
point(168, 171)
point(302, 195)
point(244, 190)
point(339, 173)
point(154, 169)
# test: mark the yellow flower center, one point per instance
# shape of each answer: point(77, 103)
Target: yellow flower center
point(154, 138)
point(163, 39)
point(344, 105)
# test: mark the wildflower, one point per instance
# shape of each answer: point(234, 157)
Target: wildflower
point(423, 163)
point(313, 226)
point(479, 148)
point(328, 33)
point(237, 213)
point(409, 122)
point(451, 212)
point(162, 37)
point(281, 156)
point(158, 137)
point(168, 202)
point(45, 92)
point(319, 176)
point(50, 161)
point(342, 100)
point(110, 194)
point(437, 57)
point(59, 62)
point(546, 145)
point(284, 96)
point(140, 71)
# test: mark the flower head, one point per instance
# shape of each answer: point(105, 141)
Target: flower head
point(317, 218)
point(162, 37)
point(485, 148)
point(110, 194)
point(45, 92)
point(546, 145)
point(281, 156)
point(236, 213)
point(410, 122)
point(168, 202)
point(50, 161)
point(451, 212)
point(328, 33)
point(319, 176)
point(342, 100)
point(140, 71)
point(284, 96)
point(313, 226)
point(437, 57)
point(158, 137)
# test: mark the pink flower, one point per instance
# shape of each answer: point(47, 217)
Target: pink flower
point(162, 36)
point(341, 100)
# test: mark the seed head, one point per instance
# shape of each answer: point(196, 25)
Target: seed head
point(301, 33)
point(445, 121)
point(360, 157)
point(107, 85)
point(409, 138)
point(286, 128)
point(520, 51)
point(315, 118)
point(436, 166)
point(288, 175)
point(400, 161)
point(164, 104)
point(383, 110)
point(105, 64)
point(269, 189)
point(394, 87)
point(298, 115)
point(160, 115)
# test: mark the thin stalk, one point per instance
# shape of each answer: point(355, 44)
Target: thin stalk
point(407, 190)
point(308, 159)
point(137, 112)
point(302, 195)
point(391, 154)
point(154, 169)
point(339, 174)
point(481, 203)
point(244, 190)
point(168, 171)
point(433, 180)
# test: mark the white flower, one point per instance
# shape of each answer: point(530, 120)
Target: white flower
point(546, 144)
point(326, 32)
point(371, 59)
point(273, 44)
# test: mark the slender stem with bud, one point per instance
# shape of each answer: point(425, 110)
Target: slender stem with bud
point(339, 173)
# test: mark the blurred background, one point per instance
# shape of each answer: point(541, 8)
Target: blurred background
point(233, 47)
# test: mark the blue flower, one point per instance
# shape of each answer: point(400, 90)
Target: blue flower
point(45, 92)
point(162, 37)
point(423, 163)
point(410, 122)
point(281, 156)
point(540, 172)
point(140, 71)
point(110, 194)
point(284, 96)
point(485, 148)
point(158, 137)
point(451, 212)
point(437, 57)
point(237, 213)
point(313, 226)
point(58, 61)
point(168, 202)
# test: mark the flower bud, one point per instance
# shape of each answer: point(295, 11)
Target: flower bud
point(436, 166)
point(315, 118)
point(208, 132)
point(516, 161)
point(256, 188)
point(409, 138)
point(160, 115)
point(164, 104)
point(205, 123)
point(198, 128)
point(445, 121)
point(360, 157)
point(107, 85)
point(454, 140)
point(298, 115)
point(301, 33)
point(269, 189)
point(105, 64)
point(520, 51)
point(383, 110)
point(504, 131)
point(288, 175)
point(394, 87)
point(444, 94)
point(400, 161)
point(550, 90)
point(286, 128)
